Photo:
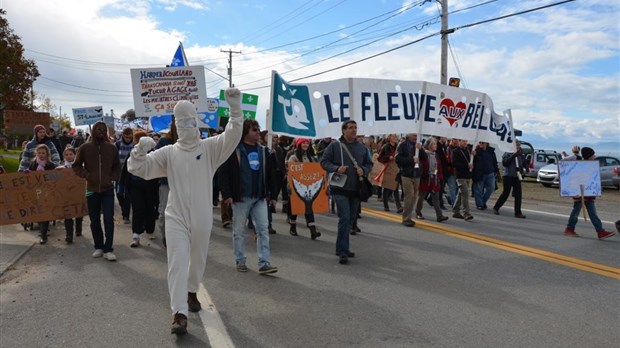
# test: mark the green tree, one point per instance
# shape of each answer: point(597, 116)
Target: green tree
point(129, 115)
point(17, 74)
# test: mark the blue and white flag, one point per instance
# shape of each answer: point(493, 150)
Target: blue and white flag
point(179, 58)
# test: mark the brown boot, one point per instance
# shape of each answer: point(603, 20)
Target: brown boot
point(193, 304)
point(179, 324)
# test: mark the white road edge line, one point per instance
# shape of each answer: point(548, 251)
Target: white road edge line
point(212, 322)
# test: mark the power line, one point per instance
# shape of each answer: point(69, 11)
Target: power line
point(421, 39)
point(83, 87)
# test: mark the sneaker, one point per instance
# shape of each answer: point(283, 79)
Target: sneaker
point(267, 269)
point(193, 304)
point(98, 253)
point(179, 324)
point(570, 232)
point(419, 216)
point(272, 231)
point(343, 259)
point(495, 211)
point(226, 224)
point(409, 223)
point(126, 221)
point(520, 216)
point(109, 256)
point(602, 234)
point(442, 218)
point(241, 267)
point(468, 217)
point(135, 242)
point(458, 216)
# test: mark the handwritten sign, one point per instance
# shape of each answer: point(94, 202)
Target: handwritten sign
point(573, 174)
point(87, 116)
point(308, 184)
point(23, 122)
point(41, 196)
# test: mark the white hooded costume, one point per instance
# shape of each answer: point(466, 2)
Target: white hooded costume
point(189, 165)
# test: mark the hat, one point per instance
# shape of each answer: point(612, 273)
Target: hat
point(38, 127)
point(300, 141)
point(587, 152)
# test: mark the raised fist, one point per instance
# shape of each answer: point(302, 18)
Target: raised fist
point(233, 98)
point(145, 145)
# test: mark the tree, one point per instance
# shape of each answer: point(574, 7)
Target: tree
point(129, 115)
point(17, 74)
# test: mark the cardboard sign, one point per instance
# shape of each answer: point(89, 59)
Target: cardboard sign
point(87, 116)
point(575, 174)
point(41, 196)
point(23, 122)
point(389, 177)
point(308, 183)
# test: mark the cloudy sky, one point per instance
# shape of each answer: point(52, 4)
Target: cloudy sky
point(557, 69)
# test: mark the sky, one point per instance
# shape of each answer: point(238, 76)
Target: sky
point(557, 69)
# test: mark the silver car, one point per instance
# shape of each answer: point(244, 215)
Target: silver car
point(609, 166)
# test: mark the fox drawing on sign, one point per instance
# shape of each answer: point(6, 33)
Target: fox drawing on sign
point(308, 193)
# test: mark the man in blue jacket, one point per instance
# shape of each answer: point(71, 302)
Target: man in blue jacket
point(336, 159)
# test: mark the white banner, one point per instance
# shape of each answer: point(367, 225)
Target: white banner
point(87, 116)
point(317, 110)
point(157, 90)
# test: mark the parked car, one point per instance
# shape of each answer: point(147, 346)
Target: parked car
point(609, 167)
point(539, 159)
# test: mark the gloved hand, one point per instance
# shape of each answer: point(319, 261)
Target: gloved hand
point(145, 145)
point(233, 98)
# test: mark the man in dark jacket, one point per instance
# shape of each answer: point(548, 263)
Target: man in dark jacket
point(336, 159)
point(246, 180)
point(97, 162)
point(462, 166)
point(408, 157)
point(483, 176)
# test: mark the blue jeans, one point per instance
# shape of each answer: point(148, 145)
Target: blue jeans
point(98, 202)
point(256, 209)
point(574, 215)
point(483, 189)
point(452, 188)
point(347, 207)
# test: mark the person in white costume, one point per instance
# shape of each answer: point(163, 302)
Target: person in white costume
point(189, 165)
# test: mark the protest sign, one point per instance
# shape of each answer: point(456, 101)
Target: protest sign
point(157, 90)
point(575, 174)
point(87, 116)
point(41, 196)
point(317, 110)
point(23, 122)
point(308, 183)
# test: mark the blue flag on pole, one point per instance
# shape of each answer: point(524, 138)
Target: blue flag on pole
point(179, 58)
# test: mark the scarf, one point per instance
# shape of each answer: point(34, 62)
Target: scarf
point(41, 164)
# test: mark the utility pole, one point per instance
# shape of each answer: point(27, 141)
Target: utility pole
point(230, 53)
point(444, 42)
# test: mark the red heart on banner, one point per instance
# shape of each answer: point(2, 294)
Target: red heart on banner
point(452, 113)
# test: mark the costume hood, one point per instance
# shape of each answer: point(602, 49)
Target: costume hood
point(185, 118)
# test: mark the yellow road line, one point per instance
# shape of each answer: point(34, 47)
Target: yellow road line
point(584, 265)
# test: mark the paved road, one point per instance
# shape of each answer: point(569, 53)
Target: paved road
point(495, 281)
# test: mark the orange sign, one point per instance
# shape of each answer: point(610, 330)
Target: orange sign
point(308, 183)
point(41, 196)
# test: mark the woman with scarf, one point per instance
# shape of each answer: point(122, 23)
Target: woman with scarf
point(430, 180)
